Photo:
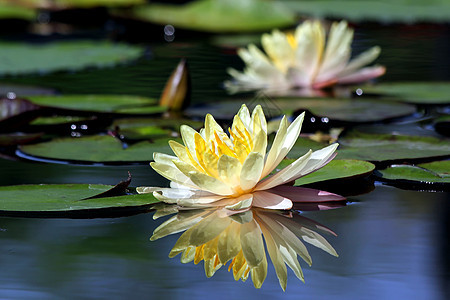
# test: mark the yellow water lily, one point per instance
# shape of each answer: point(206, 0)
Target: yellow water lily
point(218, 237)
point(304, 59)
point(212, 168)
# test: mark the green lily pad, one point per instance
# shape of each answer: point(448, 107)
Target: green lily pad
point(64, 4)
point(11, 11)
point(336, 169)
point(95, 149)
point(345, 110)
point(150, 128)
point(413, 92)
point(386, 147)
point(101, 103)
point(219, 15)
point(57, 120)
point(435, 175)
point(63, 198)
point(22, 58)
point(395, 11)
point(348, 110)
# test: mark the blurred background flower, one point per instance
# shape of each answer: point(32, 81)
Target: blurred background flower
point(305, 59)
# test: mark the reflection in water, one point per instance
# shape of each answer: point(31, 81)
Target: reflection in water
point(218, 236)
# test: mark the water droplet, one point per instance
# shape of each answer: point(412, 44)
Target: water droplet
point(11, 95)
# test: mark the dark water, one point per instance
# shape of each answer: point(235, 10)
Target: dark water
point(392, 243)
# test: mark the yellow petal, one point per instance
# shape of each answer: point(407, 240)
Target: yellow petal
point(229, 169)
point(252, 243)
point(251, 170)
point(229, 244)
point(208, 229)
point(259, 273)
point(275, 256)
point(244, 201)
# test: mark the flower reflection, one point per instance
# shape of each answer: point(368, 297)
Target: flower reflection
point(305, 60)
point(219, 236)
point(213, 168)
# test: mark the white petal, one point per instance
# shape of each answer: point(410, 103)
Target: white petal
point(360, 61)
point(282, 145)
point(251, 170)
point(362, 75)
point(269, 200)
point(284, 175)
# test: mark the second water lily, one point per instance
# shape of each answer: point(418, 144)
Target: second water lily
point(306, 59)
point(234, 171)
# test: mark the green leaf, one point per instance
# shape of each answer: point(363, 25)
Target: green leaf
point(347, 110)
point(434, 175)
point(100, 103)
point(66, 4)
point(11, 11)
point(102, 149)
point(219, 15)
point(386, 147)
point(413, 92)
point(366, 10)
point(336, 169)
point(150, 128)
point(441, 168)
point(64, 198)
point(22, 58)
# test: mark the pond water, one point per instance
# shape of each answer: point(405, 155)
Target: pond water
point(392, 243)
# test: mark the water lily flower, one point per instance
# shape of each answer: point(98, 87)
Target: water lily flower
point(305, 59)
point(217, 237)
point(212, 168)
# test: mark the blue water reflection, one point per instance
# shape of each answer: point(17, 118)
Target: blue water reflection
point(391, 244)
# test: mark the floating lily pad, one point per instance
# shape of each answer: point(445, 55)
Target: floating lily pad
point(343, 110)
point(385, 147)
point(150, 128)
point(57, 120)
point(336, 169)
point(219, 15)
point(348, 110)
point(435, 175)
point(64, 4)
point(394, 11)
point(11, 11)
point(22, 58)
point(65, 198)
point(414, 92)
point(101, 103)
point(95, 149)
